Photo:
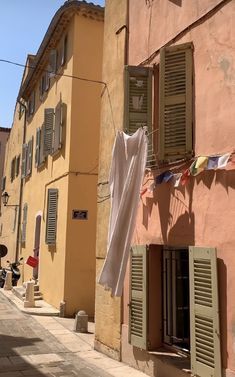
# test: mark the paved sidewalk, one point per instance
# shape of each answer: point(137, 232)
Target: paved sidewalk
point(37, 346)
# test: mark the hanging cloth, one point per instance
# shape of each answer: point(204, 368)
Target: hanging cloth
point(126, 176)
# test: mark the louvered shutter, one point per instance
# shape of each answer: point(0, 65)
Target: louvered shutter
point(138, 297)
point(41, 148)
point(57, 141)
point(51, 216)
point(13, 163)
point(24, 223)
point(29, 157)
point(52, 63)
point(175, 102)
point(3, 185)
point(48, 131)
point(24, 160)
point(64, 51)
point(47, 81)
point(37, 148)
point(204, 313)
point(138, 103)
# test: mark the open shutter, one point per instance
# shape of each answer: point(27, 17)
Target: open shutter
point(57, 142)
point(204, 313)
point(13, 165)
point(138, 297)
point(48, 131)
point(37, 148)
point(3, 183)
point(29, 157)
point(52, 63)
point(47, 81)
point(64, 50)
point(51, 216)
point(41, 148)
point(24, 160)
point(138, 103)
point(24, 223)
point(175, 107)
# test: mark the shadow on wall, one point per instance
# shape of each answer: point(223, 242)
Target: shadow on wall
point(177, 2)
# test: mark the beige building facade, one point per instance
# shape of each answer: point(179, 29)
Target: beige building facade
point(60, 157)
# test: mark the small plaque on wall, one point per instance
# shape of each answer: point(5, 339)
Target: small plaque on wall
point(80, 214)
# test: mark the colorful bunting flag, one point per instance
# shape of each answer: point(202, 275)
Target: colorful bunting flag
point(151, 187)
point(164, 177)
point(185, 177)
point(177, 178)
point(201, 162)
point(223, 160)
point(212, 162)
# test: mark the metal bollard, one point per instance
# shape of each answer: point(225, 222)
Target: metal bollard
point(8, 281)
point(29, 295)
point(81, 322)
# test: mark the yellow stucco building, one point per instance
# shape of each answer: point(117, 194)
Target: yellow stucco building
point(59, 158)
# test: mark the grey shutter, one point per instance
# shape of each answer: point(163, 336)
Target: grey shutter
point(138, 297)
point(24, 223)
point(24, 160)
point(52, 63)
point(48, 131)
point(57, 141)
point(17, 166)
point(13, 165)
point(204, 313)
point(32, 103)
point(47, 81)
point(41, 148)
point(138, 103)
point(37, 148)
point(175, 107)
point(3, 183)
point(29, 157)
point(64, 50)
point(52, 204)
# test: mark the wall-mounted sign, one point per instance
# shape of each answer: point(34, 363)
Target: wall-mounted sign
point(79, 214)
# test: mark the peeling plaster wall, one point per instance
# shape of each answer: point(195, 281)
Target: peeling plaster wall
point(202, 213)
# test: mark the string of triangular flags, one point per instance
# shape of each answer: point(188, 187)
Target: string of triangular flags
point(199, 164)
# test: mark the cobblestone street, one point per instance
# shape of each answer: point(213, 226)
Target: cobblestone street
point(47, 346)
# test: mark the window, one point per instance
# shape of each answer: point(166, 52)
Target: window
point(51, 222)
point(44, 84)
point(173, 104)
point(21, 110)
point(24, 223)
point(31, 104)
point(52, 63)
point(176, 297)
point(26, 164)
point(13, 168)
point(186, 297)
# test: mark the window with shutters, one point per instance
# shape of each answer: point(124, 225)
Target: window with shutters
point(24, 223)
point(48, 131)
point(57, 131)
point(13, 169)
point(51, 223)
point(171, 128)
point(31, 104)
point(24, 160)
point(52, 67)
point(29, 157)
point(44, 84)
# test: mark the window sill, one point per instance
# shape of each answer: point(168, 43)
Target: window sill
point(178, 359)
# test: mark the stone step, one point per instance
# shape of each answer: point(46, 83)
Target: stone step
point(20, 292)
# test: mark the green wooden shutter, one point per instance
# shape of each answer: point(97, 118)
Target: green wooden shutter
point(29, 157)
point(48, 131)
point(24, 160)
point(138, 297)
point(57, 141)
point(37, 148)
point(138, 103)
point(175, 102)
point(52, 204)
point(24, 223)
point(204, 313)
point(3, 183)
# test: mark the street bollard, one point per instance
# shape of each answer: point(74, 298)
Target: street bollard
point(29, 295)
point(8, 281)
point(81, 322)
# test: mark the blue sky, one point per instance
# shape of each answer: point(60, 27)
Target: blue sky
point(23, 24)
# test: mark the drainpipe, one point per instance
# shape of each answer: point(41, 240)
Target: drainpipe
point(21, 189)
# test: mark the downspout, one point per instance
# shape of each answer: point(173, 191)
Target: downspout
point(21, 189)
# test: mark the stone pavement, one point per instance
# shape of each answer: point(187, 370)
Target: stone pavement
point(37, 346)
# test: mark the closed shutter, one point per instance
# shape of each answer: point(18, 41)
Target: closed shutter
point(138, 297)
point(52, 63)
point(48, 131)
point(41, 148)
point(24, 160)
point(37, 148)
point(204, 313)
point(24, 223)
point(29, 157)
point(138, 103)
point(52, 203)
point(175, 107)
point(57, 142)
point(3, 183)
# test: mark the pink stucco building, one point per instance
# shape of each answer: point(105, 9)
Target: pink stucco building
point(177, 313)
